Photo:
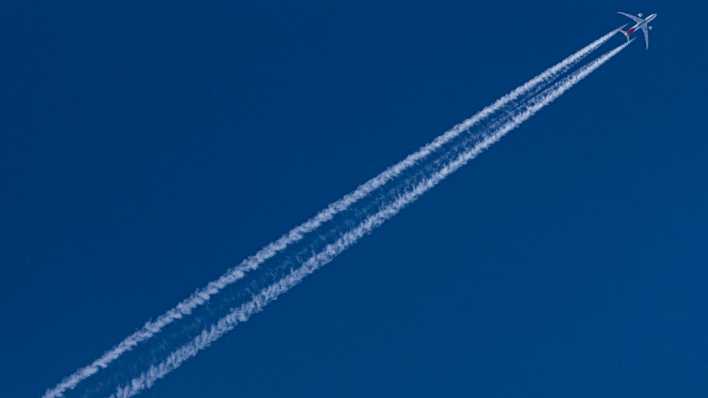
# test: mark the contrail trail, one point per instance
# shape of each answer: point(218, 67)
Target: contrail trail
point(201, 296)
point(272, 292)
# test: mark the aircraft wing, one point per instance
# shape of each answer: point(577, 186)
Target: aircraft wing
point(645, 29)
point(630, 16)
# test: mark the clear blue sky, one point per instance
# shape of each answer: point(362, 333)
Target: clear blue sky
point(148, 146)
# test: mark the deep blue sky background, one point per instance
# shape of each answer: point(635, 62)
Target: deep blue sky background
point(148, 146)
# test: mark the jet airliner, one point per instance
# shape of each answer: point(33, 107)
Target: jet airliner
point(639, 23)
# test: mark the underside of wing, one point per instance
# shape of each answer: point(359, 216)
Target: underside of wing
point(630, 16)
point(645, 29)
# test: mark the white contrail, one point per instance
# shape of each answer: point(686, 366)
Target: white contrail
point(272, 292)
point(201, 296)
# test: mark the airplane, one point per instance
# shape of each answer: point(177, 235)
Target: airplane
point(639, 23)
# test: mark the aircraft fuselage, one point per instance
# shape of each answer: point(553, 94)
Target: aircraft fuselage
point(639, 25)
